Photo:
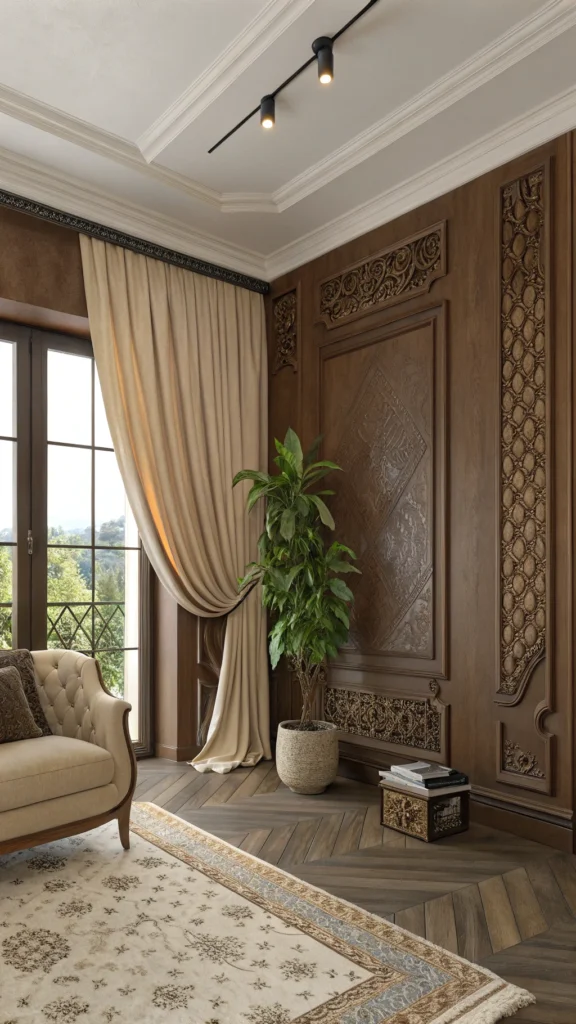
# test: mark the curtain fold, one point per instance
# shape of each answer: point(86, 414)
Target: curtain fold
point(182, 365)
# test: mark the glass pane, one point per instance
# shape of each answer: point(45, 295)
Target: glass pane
point(69, 398)
point(132, 690)
point(69, 495)
point(114, 520)
point(7, 382)
point(70, 626)
point(6, 595)
point(7, 490)
point(69, 575)
point(112, 665)
point(102, 436)
point(110, 588)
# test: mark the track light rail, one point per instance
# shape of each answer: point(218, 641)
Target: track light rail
point(283, 85)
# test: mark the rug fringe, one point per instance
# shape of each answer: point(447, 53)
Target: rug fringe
point(500, 1005)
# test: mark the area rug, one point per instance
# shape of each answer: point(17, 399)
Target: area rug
point(185, 929)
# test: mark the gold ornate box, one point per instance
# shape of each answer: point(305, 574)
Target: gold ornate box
point(428, 817)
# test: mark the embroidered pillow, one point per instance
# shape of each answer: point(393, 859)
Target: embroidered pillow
point(16, 720)
point(24, 662)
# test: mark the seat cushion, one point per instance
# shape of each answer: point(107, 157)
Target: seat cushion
point(49, 767)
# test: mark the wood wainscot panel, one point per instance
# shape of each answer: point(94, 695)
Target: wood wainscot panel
point(383, 419)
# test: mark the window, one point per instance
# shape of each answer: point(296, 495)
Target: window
point(69, 546)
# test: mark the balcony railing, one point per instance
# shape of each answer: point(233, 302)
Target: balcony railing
point(86, 625)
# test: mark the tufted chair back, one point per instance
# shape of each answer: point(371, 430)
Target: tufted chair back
point(67, 682)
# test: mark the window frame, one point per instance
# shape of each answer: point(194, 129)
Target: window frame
point(30, 580)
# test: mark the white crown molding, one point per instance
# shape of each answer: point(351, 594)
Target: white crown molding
point(540, 125)
point(96, 140)
point(515, 45)
point(258, 35)
point(523, 39)
point(38, 182)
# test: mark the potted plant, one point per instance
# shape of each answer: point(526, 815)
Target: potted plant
point(308, 601)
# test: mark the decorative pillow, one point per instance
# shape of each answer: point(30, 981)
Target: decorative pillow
point(24, 662)
point(16, 720)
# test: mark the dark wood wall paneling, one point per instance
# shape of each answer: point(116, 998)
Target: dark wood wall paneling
point(435, 356)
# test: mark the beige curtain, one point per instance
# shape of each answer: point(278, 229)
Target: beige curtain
point(182, 363)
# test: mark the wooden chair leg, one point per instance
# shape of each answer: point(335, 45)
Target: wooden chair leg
point(124, 824)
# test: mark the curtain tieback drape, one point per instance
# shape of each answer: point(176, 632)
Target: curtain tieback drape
point(182, 365)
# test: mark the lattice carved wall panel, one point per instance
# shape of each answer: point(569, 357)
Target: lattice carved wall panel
point(399, 272)
point(523, 431)
point(285, 328)
point(414, 722)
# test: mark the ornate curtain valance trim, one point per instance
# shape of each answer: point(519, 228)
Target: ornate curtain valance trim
point(139, 245)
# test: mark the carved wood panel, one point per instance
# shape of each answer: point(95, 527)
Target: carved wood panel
point(526, 764)
point(415, 723)
point(389, 504)
point(397, 273)
point(523, 434)
point(285, 319)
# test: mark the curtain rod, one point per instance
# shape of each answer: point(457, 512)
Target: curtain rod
point(138, 245)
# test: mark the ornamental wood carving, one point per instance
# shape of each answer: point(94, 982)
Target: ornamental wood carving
point(405, 813)
point(407, 721)
point(520, 761)
point(523, 433)
point(399, 272)
point(285, 326)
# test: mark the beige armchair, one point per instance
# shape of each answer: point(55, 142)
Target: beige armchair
point(81, 776)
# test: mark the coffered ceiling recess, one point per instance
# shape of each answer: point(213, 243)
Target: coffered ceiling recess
point(108, 110)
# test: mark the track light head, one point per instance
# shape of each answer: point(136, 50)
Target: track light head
point(267, 111)
point(325, 54)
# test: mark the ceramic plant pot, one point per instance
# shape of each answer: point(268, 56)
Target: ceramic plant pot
point(307, 759)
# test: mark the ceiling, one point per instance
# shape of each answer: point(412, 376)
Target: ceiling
point(108, 109)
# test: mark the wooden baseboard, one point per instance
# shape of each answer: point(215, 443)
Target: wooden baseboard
point(538, 825)
point(520, 818)
point(176, 753)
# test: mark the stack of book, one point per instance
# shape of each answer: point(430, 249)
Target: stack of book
point(426, 779)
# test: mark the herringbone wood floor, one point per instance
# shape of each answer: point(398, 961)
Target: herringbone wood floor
point(504, 902)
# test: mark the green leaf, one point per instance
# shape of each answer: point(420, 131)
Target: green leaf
point(292, 443)
point(338, 566)
point(341, 613)
point(276, 648)
point(302, 505)
point(323, 511)
point(256, 492)
point(250, 474)
point(323, 464)
point(339, 588)
point(287, 524)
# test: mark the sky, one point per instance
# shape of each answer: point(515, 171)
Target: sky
point(69, 469)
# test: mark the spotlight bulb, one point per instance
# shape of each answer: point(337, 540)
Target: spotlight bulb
point(323, 49)
point(267, 112)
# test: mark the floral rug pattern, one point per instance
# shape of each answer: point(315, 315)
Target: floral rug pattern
point(185, 929)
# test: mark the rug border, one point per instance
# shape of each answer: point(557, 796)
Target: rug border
point(504, 999)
